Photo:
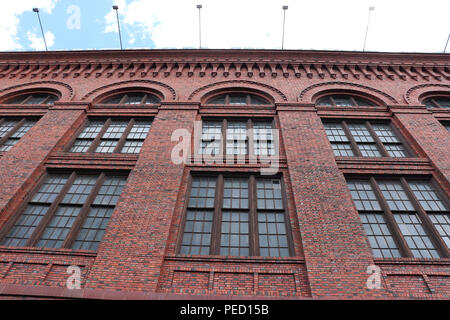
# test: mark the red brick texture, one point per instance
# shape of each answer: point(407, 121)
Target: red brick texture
point(138, 257)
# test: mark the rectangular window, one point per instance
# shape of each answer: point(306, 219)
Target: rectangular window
point(112, 136)
point(237, 136)
point(68, 211)
point(11, 130)
point(364, 139)
point(249, 214)
point(407, 211)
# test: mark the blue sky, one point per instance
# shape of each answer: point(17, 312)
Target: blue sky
point(395, 26)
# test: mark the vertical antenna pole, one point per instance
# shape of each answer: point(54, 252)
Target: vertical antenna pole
point(118, 25)
point(42, 30)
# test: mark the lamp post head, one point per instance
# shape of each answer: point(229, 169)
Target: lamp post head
point(199, 6)
point(285, 7)
point(371, 8)
point(35, 9)
point(115, 7)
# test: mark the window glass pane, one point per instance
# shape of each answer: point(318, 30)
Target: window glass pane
point(385, 133)
point(23, 129)
point(25, 225)
point(441, 222)
point(58, 228)
point(342, 149)
point(427, 197)
point(139, 130)
point(235, 193)
point(237, 142)
point(360, 132)
point(115, 129)
point(369, 150)
point(272, 234)
point(6, 126)
point(443, 102)
point(395, 195)
point(335, 132)
point(342, 100)
point(263, 138)
point(363, 195)
point(268, 192)
point(107, 146)
point(109, 192)
point(363, 102)
point(395, 150)
point(93, 228)
point(80, 190)
point(324, 102)
point(197, 232)
point(415, 235)
point(238, 98)
point(134, 98)
point(218, 100)
point(257, 100)
point(211, 137)
point(234, 239)
point(132, 147)
point(37, 98)
point(203, 192)
point(380, 238)
point(50, 189)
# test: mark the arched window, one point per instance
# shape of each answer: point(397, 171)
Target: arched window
point(33, 98)
point(238, 99)
point(437, 102)
point(343, 100)
point(132, 98)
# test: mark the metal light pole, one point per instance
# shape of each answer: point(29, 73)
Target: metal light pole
point(367, 28)
point(199, 7)
point(284, 20)
point(42, 30)
point(118, 25)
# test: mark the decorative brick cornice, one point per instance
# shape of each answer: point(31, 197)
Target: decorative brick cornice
point(237, 63)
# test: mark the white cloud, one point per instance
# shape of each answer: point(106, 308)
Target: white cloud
point(9, 17)
point(413, 25)
point(36, 41)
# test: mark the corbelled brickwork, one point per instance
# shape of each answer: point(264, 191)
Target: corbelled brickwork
point(138, 257)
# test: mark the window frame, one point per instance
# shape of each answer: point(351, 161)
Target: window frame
point(98, 138)
point(352, 98)
point(28, 96)
point(124, 97)
point(377, 141)
point(254, 247)
point(391, 223)
point(249, 95)
point(52, 209)
point(251, 144)
point(17, 127)
point(435, 104)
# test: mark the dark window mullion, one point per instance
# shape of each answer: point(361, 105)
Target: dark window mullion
point(390, 221)
point(403, 142)
point(123, 99)
point(123, 138)
point(227, 99)
point(352, 141)
point(248, 151)
point(224, 138)
point(378, 142)
point(83, 212)
point(333, 103)
point(46, 99)
point(99, 136)
point(217, 220)
point(50, 212)
point(28, 98)
point(355, 104)
point(253, 217)
point(12, 131)
point(426, 222)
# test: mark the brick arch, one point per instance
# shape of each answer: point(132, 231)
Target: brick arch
point(309, 94)
point(414, 94)
point(274, 94)
point(165, 91)
point(63, 90)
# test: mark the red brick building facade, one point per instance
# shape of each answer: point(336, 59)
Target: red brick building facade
point(358, 207)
